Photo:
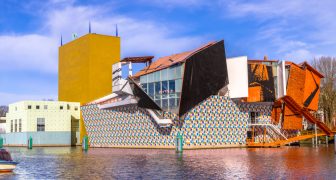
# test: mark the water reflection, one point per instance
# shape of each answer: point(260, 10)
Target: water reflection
point(267, 163)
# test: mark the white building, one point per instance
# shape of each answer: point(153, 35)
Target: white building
point(49, 123)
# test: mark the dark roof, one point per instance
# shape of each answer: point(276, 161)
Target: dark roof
point(167, 61)
point(141, 59)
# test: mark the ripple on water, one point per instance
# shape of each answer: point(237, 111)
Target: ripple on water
point(235, 163)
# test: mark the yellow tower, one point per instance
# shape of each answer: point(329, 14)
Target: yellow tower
point(85, 69)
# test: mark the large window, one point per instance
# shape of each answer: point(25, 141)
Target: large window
point(164, 86)
point(40, 124)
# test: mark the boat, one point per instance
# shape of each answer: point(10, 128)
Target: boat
point(6, 162)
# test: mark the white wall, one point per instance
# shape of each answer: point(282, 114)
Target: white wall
point(56, 119)
point(281, 79)
point(238, 77)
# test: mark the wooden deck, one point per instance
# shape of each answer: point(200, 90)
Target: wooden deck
point(284, 142)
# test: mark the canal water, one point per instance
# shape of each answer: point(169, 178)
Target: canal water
point(107, 163)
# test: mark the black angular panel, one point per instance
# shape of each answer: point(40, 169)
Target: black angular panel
point(204, 75)
point(144, 101)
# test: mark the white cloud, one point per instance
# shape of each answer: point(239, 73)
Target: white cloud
point(38, 52)
point(28, 52)
point(298, 29)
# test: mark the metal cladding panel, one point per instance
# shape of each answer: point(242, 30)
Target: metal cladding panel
point(261, 75)
point(281, 79)
point(205, 74)
point(296, 84)
point(237, 71)
point(144, 101)
point(311, 90)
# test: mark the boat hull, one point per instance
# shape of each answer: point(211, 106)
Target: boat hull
point(7, 166)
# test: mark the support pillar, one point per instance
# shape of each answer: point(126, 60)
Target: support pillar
point(315, 135)
point(253, 134)
point(327, 139)
point(335, 143)
point(264, 134)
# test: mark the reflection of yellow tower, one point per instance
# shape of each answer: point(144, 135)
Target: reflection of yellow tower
point(85, 69)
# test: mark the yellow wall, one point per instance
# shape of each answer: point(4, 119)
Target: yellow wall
point(85, 69)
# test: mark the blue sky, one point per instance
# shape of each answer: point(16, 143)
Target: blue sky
point(30, 32)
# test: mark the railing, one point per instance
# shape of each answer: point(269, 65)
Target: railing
point(273, 127)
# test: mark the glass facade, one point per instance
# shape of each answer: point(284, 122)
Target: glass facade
point(164, 86)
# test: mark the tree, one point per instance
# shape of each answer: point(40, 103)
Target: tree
point(327, 102)
point(3, 111)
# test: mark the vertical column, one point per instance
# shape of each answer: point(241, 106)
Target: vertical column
point(130, 71)
point(335, 143)
point(252, 134)
point(315, 135)
point(326, 140)
point(264, 134)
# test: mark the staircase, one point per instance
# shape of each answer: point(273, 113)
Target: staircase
point(295, 107)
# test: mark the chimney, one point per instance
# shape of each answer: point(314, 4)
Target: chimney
point(265, 58)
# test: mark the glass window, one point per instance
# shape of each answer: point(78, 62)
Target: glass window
point(40, 124)
point(172, 102)
point(156, 76)
point(150, 77)
point(179, 72)
point(157, 90)
point(37, 107)
point(172, 72)
point(68, 106)
point(164, 103)
point(144, 87)
point(61, 107)
point(178, 85)
point(164, 89)
point(76, 108)
point(15, 129)
point(253, 117)
point(20, 125)
point(45, 106)
point(172, 87)
point(151, 89)
point(143, 79)
point(164, 75)
point(29, 106)
point(158, 102)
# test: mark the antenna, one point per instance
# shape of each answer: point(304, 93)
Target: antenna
point(89, 27)
point(61, 40)
point(116, 30)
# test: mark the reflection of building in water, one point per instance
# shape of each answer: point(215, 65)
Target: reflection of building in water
point(49, 123)
point(213, 101)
